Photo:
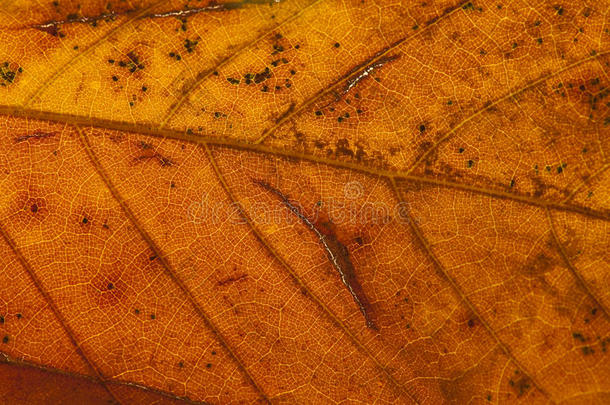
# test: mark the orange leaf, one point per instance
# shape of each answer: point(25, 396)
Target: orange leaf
point(304, 201)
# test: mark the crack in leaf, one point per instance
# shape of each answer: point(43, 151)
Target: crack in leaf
point(337, 254)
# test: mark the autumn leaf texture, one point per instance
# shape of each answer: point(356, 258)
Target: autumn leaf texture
point(304, 202)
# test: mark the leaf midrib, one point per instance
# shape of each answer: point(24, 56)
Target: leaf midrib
point(232, 143)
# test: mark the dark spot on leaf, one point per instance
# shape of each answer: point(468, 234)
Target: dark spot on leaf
point(587, 350)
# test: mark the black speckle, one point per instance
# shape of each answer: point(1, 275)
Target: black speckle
point(85, 220)
point(5, 339)
point(209, 365)
point(34, 208)
point(1, 319)
point(190, 45)
point(422, 128)
point(114, 78)
point(578, 336)
point(144, 88)
point(337, 45)
point(470, 323)
point(110, 286)
point(213, 352)
point(153, 316)
point(111, 61)
point(470, 163)
point(318, 113)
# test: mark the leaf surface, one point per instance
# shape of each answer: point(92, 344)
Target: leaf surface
point(305, 202)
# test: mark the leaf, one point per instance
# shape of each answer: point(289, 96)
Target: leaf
point(304, 202)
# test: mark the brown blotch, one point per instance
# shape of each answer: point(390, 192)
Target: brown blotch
point(35, 135)
point(231, 280)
